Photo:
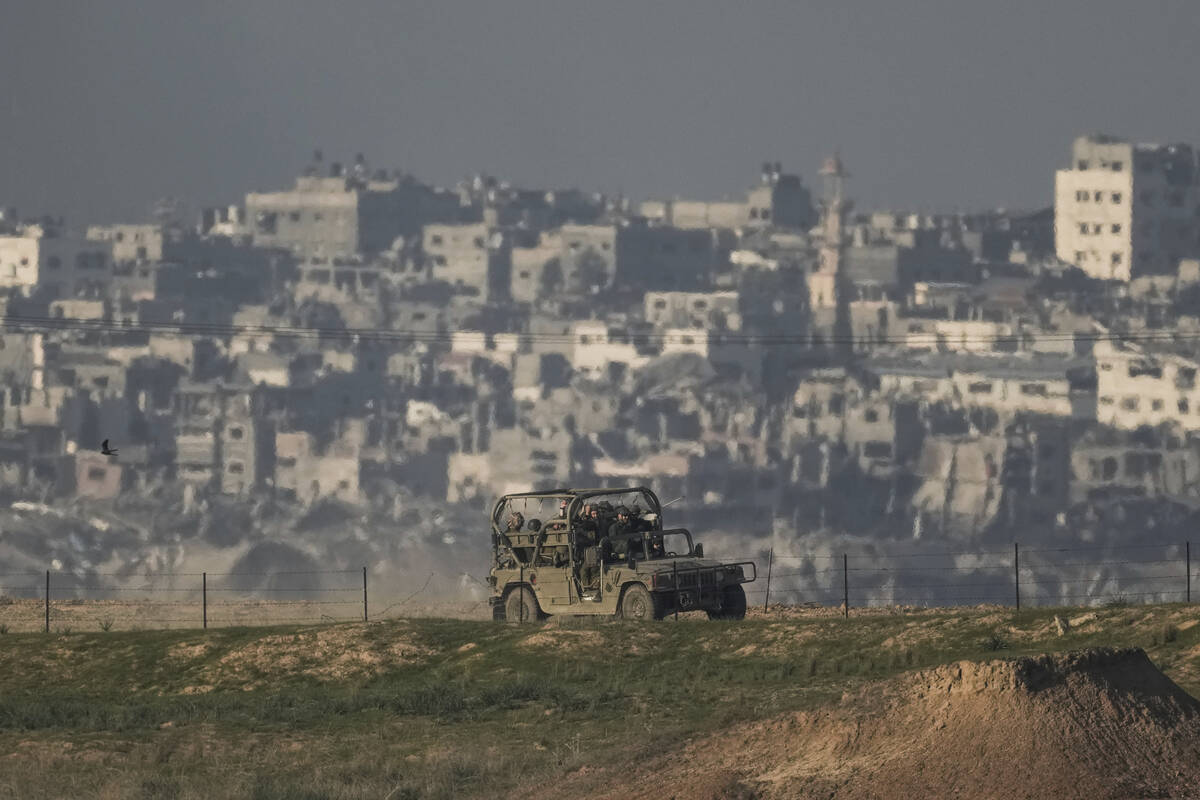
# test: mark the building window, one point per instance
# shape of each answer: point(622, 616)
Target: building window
point(1156, 405)
point(981, 387)
point(1097, 227)
point(1117, 166)
point(877, 450)
point(1081, 195)
point(1078, 256)
point(1109, 468)
point(1083, 227)
point(1183, 405)
point(294, 216)
point(765, 214)
point(97, 473)
point(754, 213)
point(1116, 259)
point(1033, 389)
point(1116, 197)
point(236, 467)
point(1106, 401)
point(235, 433)
point(435, 239)
point(1081, 164)
point(1098, 197)
point(1116, 228)
point(1129, 403)
point(871, 415)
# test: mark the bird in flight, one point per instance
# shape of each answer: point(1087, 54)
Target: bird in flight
point(105, 450)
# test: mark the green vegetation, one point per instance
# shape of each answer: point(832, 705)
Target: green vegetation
point(445, 708)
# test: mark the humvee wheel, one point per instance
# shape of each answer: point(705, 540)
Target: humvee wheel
point(733, 603)
point(637, 603)
point(521, 606)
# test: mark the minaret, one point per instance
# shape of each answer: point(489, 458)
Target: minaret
point(827, 286)
point(833, 216)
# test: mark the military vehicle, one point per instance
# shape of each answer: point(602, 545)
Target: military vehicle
point(604, 552)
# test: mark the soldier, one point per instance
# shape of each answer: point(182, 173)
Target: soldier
point(562, 509)
point(637, 523)
point(515, 522)
point(619, 532)
point(656, 547)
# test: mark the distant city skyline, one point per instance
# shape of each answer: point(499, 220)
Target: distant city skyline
point(933, 106)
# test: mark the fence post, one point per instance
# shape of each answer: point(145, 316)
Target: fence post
point(1017, 573)
point(845, 586)
point(1187, 561)
point(364, 594)
point(675, 583)
point(204, 597)
point(47, 601)
point(770, 560)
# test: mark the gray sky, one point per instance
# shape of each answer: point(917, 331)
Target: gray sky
point(955, 104)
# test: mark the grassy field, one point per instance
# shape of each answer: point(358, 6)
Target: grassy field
point(452, 708)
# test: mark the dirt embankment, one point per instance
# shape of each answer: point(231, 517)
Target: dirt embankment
point(1092, 724)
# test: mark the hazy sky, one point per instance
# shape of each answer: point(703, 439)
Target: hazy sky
point(958, 104)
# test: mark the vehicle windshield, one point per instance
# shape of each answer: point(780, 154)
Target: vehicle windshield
point(674, 543)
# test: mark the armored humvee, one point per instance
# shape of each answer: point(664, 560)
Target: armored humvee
point(559, 552)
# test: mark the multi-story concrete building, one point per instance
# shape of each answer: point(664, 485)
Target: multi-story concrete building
point(635, 255)
point(474, 257)
point(1135, 388)
point(707, 310)
point(41, 257)
point(246, 446)
point(341, 216)
point(137, 243)
point(536, 270)
point(1122, 210)
point(779, 201)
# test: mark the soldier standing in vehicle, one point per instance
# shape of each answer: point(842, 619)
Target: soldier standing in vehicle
point(619, 532)
point(588, 554)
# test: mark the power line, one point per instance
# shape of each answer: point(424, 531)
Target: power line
point(19, 323)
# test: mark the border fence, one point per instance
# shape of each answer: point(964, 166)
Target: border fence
point(1015, 577)
point(185, 599)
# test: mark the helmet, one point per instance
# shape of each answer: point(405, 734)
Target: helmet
point(622, 511)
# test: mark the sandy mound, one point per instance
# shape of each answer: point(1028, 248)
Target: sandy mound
point(333, 653)
point(1092, 724)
